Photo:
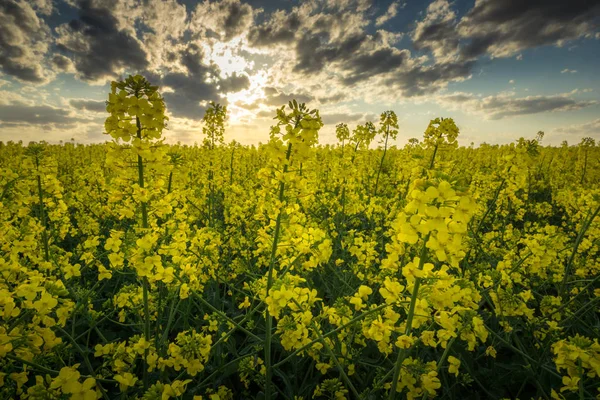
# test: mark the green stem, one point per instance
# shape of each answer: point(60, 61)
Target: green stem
point(520, 352)
point(571, 300)
point(584, 168)
point(211, 195)
point(6, 188)
point(332, 355)
point(165, 334)
point(42, 211)
point(85, 359)
point(140, 162)
point(223, 315)
point(216, 372)
point(387, 136)
point(94, 325)
point(581, 375)
point(409, 319)
point(41, 368)
point(146, 330)
point(435, 150)
point(170, 182)
point(352, 321)
point(268, 316)
point(489, 208)
point(231, 167)
point(465, 260)
point(578, 241)
point(442, 360)
point(145, 282)
point(580, 310)
point(445, 354)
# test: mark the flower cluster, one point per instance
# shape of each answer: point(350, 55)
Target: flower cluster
point(137, 269)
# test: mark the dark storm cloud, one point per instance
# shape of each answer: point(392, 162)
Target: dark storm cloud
point(434, 34)
point(505, 27)
point(225, 19)
point(591, 128)
point(266, 114)
point(98, 47)
point(189, 91)
point(341, 45)
point(23, 114)
point(502, 28)
point(191, 58)
point(201, 83)
point(280, 28)
point(62, 63)
point(500, 109)
point(314, 40)
point(330, 119)
point(505, 105)
point(425, 79)
point(315, 51)
point(274, 97)
point(235, 17)
point(459, 97)
point(89, 105)
point(437, 31)
point(332, 99)
point(235, 83)
point(380, 61)
point(320, 39)
point(24, 39)
point(350, 55)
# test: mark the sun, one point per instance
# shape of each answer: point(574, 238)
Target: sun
point(226, 55)
point(241, 102)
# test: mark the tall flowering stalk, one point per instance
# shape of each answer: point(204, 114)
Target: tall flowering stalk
point(489, 253)
point(301, 126)
point(441, 133)
point(435, 219)
point(361, 138)
point(585, 145)
point(342, 133)
point(137, 115)
point(389, 129)
point(214, 130)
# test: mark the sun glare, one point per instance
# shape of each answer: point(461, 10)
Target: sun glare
point(226, 56)
point(240, 102)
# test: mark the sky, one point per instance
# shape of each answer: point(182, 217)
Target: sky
point(502, 69)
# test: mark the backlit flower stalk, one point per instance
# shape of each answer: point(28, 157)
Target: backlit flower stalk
point(301, 127)
point(138, 101)
point(389, 129)
point(213, 129)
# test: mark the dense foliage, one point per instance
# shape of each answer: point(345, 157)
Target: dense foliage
point(136, 269)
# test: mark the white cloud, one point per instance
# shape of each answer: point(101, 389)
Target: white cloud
point(391, 12)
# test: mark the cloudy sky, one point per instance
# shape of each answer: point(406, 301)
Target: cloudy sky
point(501, 68)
